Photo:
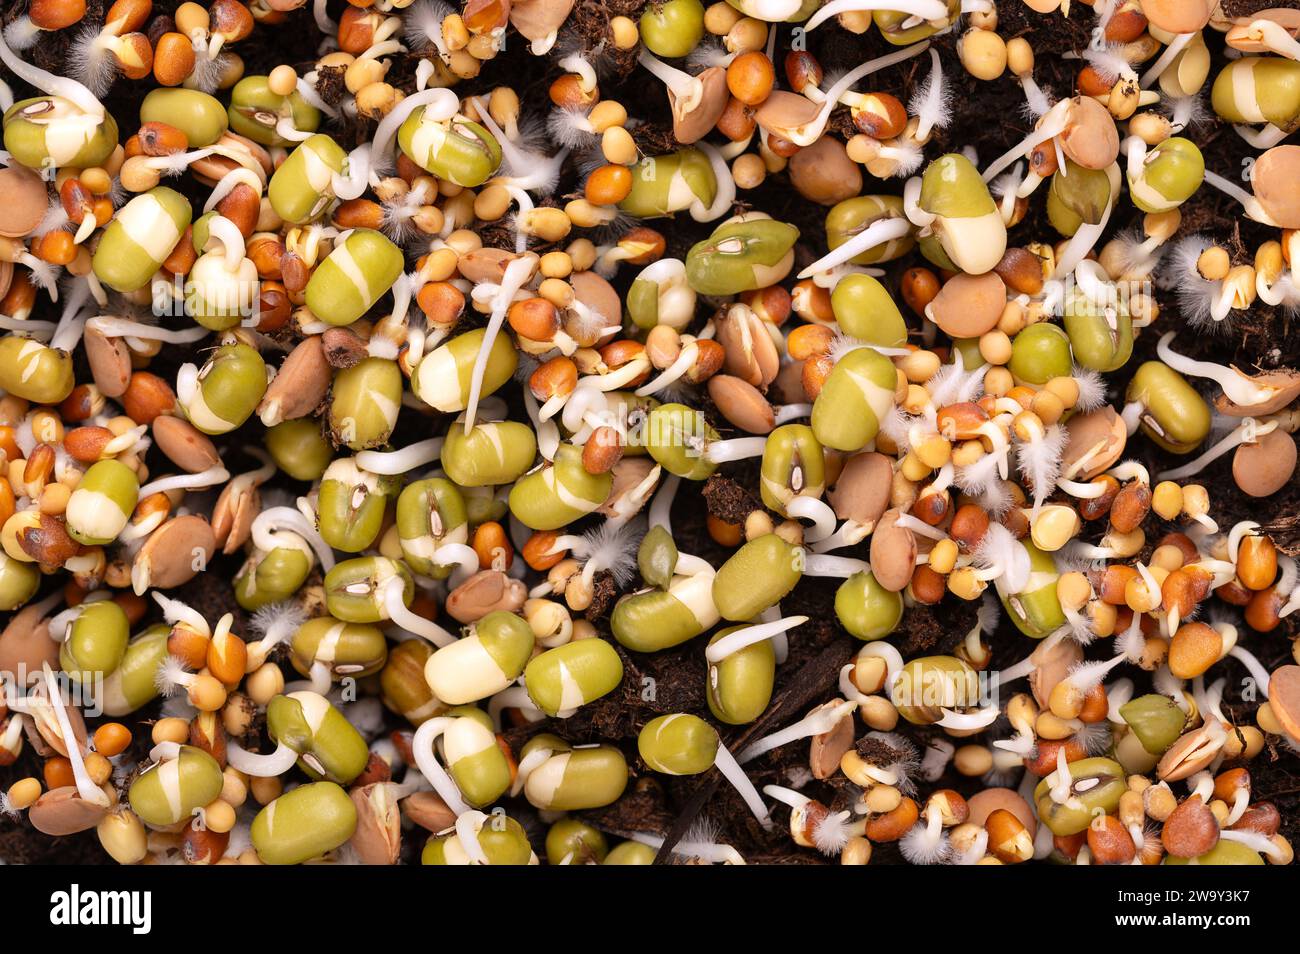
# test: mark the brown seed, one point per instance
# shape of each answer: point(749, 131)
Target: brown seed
point(1052, 663)
point(187, 447)
point(742, 404)
point(203, 846)
point(824, 173)
point(1192, 752)
point(802, 71)
point(428, 811)
point(173, 59)
point(442, 302)
point(86, 444)
point(969, 305)
point(1110, 842)
point(1266, 466)
point(1009, 839)
point(1095, 441)
point(161, 139)
point(343, 347)
point(1262, 608)
point(109, 360)
point(62, 811)
point(233, 515)
point(751, 354)
point(919, 286)
point(534, 318)
point(1044, 762)
point(828, 748)
point(893, 552)
point(1130, 507)
point(1194, 649)
point(377, 839)
point(986, 801)
point(147, 396)
point(969, 524)
point(880, 116)
point(1284, 698)
point(1262, 818)
point(893, 825)
point(1022, 271)
point(485, 592)
point(709, 357)
point(242, 206)
point(1256, 562)
point(47, 541)
point(25, 201)
point(174, 553)
point(737, 121)
point(301, 384)
point(602, 451)
point(1191, 830)
point(26, 646)
point(693, 118)
point(927, 586)
point(294, 272)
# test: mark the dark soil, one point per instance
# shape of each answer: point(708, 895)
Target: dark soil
point(988, 117)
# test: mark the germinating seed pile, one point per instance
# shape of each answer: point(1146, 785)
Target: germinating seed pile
point(343, 408)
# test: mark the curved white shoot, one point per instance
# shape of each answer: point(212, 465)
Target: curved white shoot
point(820, 720)
point(749, 635)
point(258, 765)
point(1167, 58)
point(439, 103)
point(877, 233)
point(804, 507)
point(685, 359)
point(517, 274)
point(726, 186)
point(1247, 432)
point(206, 478)
point(397, 610)
point(86, 788)
point(61, 86)
point(1052, 124)
point(966, 721)
point(1236, 386)
point(809, 133)
point(422, 747)
point(411, 457)
point(661, 507)
point(833, 567)
point(727, 764)
point(924, 9)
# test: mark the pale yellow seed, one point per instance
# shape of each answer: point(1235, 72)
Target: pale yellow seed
point(171, 730)
point(282, 80)
point(748, 171)
point(23, 793)
point(1020, 56)
point(607, 114)
point(491, 203)
point(983, 53)
point(617, 146)
point(556, 265)
point(625, 32)
point(720, 17)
